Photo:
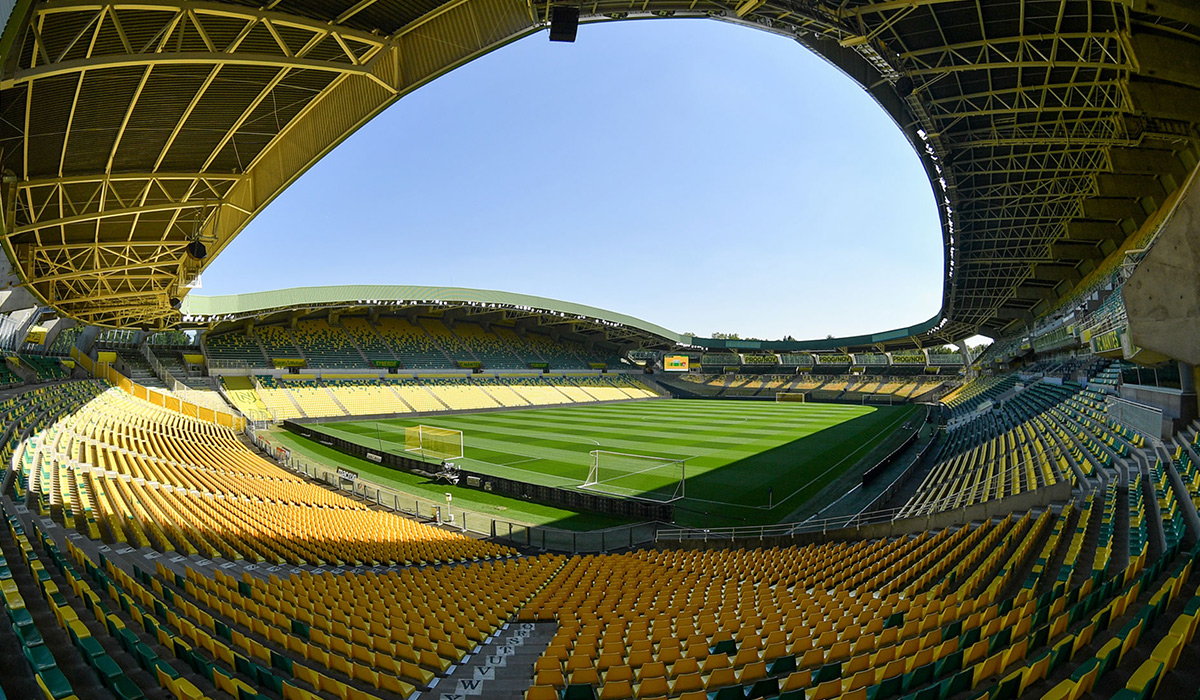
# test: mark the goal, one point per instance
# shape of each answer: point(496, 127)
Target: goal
point(642, 477)
point(434, 443)
point(879, 399)
point(790, 397)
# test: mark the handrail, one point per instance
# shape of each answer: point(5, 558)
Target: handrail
point(160, 370)
point(102, 370)
point(839, 522)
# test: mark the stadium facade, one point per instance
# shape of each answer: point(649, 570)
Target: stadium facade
point(1030, 530)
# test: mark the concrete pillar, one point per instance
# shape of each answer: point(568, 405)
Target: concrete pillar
point(85, 339)
point(1189, 406)
point(965, 351)
point(56, 326)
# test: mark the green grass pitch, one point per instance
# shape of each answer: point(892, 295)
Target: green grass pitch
point(747, 462)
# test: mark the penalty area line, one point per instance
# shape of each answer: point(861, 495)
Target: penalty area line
point(810, 482)
point(520, 461)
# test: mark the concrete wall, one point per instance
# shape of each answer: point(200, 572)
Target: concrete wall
point(1162, 297)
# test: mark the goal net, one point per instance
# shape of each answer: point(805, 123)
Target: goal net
point(881, 399)
point(434, 443)
point(642, 477)
point(789, 397)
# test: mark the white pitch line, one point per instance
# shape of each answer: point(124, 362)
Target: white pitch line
point(521, 461)
point(843, 459)
point(839, 500)
point(799, 489)
point(520, 469)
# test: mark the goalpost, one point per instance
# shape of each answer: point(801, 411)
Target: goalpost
point(790, 397)
point(643, 477)
point(882, 399)
point(438, 443)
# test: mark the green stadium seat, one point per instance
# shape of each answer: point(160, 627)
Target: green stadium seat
point(125, 689)
point(39, 657)
point(887, 688)
point(54, 684)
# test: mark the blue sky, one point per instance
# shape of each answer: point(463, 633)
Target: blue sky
point(699, 175)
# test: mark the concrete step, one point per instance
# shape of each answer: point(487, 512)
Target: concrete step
point(83, 680)
point(501, 669)
point(59, 535)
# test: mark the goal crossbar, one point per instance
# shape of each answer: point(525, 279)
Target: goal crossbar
point(433, 442)
point(879, 398)
point(791, 397)
point(641, 477)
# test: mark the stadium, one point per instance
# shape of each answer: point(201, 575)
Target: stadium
point(349, 492)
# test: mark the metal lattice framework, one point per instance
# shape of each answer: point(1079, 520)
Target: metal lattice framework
point(1051, 130)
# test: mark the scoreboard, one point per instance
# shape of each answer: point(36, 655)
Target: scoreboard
point(675, 363)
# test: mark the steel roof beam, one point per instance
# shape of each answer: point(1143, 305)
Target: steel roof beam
point(192, 58)
point(109, 214)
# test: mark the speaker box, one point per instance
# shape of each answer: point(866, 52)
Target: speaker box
point(564, 23)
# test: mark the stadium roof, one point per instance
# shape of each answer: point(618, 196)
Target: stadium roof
point(1050, 129)
point(487, 304)
point(577, 318)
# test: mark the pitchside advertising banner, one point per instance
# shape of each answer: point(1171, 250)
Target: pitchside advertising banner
point(675, 363)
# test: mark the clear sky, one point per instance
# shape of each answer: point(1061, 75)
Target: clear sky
point(696, 174)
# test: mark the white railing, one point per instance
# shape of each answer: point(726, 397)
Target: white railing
point(1143, 419)
point(1110, 316)
point(823, 525)
point(842, 522)
point(945, 359)
point(258, 389)
point(168, 380)
point(215, 363)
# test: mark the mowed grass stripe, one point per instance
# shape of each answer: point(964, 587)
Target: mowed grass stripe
point(551, 434)
point(737, 451)
point(664, 428)
point(491, 504)
point(697, 423)
point(544, 443)
point(631, 422)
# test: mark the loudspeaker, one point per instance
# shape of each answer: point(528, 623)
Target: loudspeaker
point(904, 86)
point(197, 250)
point(564, 23)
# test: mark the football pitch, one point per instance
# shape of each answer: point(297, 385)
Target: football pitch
point(745, 462)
